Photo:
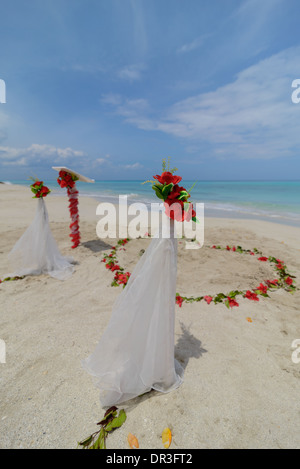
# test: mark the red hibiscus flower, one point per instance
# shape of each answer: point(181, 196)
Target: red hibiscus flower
point(115, 267)
point(65, 180)
point(251, 296)
point(263, 259)
point(288, 281)
point(167, 178)
point(122, 278)
point(262, 288)
point(251, 253)
point(228, 248)
point(272, 282)
point(208, 299)
point(175, 210)
point(44, 191)
point(232, 302)
point(175, 193)
point(179, 301)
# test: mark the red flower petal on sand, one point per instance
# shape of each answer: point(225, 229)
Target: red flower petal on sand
point(262, 288)
point(263, 259)
point(208, 299)
point(288, 281)
point(272, 282)
point(179, 301)
point(251, 296)
point(232, 302)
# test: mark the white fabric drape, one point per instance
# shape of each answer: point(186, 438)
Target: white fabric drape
point(36, 252)
point(136, 351)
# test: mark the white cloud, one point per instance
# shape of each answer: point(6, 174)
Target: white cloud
point(131, 109)
point(133, 166)
point(251, 117)
point(37, 153)
point(131, 72)
point(195, 44)
point(104, 160)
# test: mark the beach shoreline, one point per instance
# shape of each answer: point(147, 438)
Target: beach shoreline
point(240, 383)
point(236, 199)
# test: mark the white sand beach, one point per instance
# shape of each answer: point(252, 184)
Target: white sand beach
point(241, 387)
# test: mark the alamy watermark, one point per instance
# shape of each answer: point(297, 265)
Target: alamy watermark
point(296, 93)
point(2, 92)
point(2, 351)
point(133, 220)
point(296, 353)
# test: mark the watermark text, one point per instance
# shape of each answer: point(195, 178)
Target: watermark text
point(2, 92)
point(296, 353)
point(296, 93)
point(2, 351)
point(133, 221)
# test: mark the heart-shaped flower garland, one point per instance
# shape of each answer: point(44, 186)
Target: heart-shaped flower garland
point(284, 280)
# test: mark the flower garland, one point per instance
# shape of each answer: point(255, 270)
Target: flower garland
point(111, 263)
point(284, 280)
point(9, 279)
point(39, 190)
point(68, 180)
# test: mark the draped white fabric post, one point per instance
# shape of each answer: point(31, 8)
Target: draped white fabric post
point(136, 351)
point(36, 252)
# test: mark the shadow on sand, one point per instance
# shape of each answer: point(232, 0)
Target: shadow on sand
point(187, 346)
point(96, 245)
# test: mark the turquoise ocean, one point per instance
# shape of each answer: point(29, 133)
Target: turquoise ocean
point(277, 201)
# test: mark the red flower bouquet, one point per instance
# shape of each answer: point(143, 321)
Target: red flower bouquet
point(66, 179)
point(39, 189)
point(175, 197)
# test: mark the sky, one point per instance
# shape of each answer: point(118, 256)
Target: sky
point(109, 88)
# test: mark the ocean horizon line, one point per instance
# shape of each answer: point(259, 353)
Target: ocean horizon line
point(15, 181)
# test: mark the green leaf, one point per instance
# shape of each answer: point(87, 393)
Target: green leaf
point(158, 192)
point(166, 190)
point(100, 442)
point(227, 303)
point(102, 437)
point(86, 442)
point(117, 421)
point(183, 195)
point(111, 412)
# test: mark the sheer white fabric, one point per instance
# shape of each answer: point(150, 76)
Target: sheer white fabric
point(36, 252)
point(136, 351)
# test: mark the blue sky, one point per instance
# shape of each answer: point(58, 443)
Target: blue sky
point(110, 87)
